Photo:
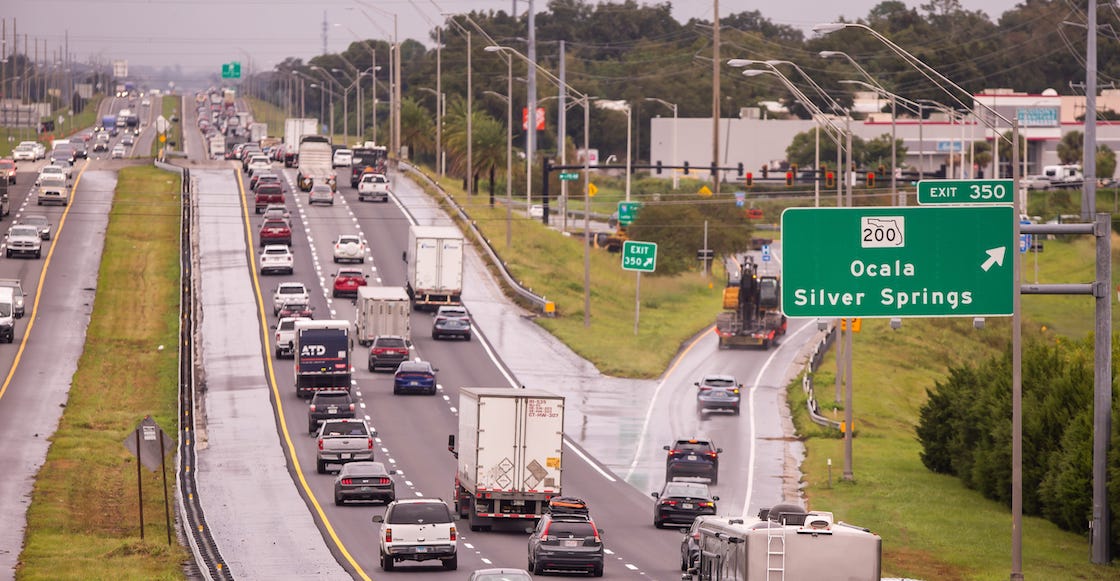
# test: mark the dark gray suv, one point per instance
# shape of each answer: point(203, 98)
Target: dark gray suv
point(329, 404)
point(566, 542)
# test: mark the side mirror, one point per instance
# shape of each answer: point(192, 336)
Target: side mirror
point(435, 369)
point(655, 494)
point(719, 450)
point(696, 383)
point(377, 518)
point(404, 256)
point(715, 498)
point(665, 448)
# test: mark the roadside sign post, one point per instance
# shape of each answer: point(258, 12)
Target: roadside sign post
point(898, 261)
point(639, 257)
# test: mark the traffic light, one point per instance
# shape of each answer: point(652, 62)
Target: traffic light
point(793, 170)
point(740, 168)
point(658, 167)
point(765, 172)
point(750, 179)
point(789, 178)
point(870, 179)
point(686, 168)
point(829, 180)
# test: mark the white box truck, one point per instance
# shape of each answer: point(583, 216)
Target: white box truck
point(294, 131)
point(510, 454)
point(381, 310)
point(315, 162)
point(435, 266)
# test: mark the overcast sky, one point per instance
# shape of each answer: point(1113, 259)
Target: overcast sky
point(203, 34)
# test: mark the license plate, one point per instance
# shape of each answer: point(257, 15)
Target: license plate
point(692, 456)
point(344, 456)
point(421, 549)
point(572, 543)
point(686, 506)
point(366, 489)
point(413, 383)
point(332, 409)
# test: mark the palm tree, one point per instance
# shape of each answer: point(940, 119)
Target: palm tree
point(1071, 149)
point(489, 139)
point(417, 128)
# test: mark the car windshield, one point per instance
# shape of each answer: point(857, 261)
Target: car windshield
point(419, 513)
point(349, 273)
point(292, 290)
point(718, 382)
point(390, 342)
point(275, 224)
point(414, 367)
point(5, 309)
point(365, 469)
point(502, 577)
point(24, 231)
point(276, 251)
point(345, 429)
point(332, 399)
point(348, 240)
point(692, 489)
point(286, 325)
point(570, 529)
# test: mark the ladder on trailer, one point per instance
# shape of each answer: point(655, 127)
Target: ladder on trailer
point(775, 551)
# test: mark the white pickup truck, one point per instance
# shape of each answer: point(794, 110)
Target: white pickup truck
point(373, 186)
point(341, 441)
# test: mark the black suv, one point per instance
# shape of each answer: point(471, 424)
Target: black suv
point(569, 542)
point(329, 404)
point(387, 351)
point(693, 457)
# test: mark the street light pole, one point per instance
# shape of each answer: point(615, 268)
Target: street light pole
point(509, 144)
point(673, 106)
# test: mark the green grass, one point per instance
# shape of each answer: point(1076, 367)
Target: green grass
point(83, 522)
point(10, 136)
point(169, 107)
point(672, 308)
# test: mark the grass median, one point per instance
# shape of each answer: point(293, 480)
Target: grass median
point(83, 522)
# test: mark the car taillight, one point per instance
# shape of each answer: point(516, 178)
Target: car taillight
point(312, 407)
point(388, 535)
point(370, 442)
point(712, 455)
point(347, 481)
point(595, 530)
point(453, 533)
point(674, 452)
point(669, 502)
point(696, 535)
point(383, 480)
point(706, 504)
point(351, 407)
point(320, 444)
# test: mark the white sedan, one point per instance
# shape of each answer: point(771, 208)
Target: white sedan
point(349, 248)
point(24, 153)
point(276, 258)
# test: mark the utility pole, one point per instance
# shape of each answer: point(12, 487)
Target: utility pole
point(531, 104)
point(715, 94)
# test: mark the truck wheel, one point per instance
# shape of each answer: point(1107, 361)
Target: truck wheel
point(386, 563)
point(320, 466)
point(598, 571)
point(452, 563)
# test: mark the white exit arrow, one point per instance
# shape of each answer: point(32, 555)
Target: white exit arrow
point(995, 256)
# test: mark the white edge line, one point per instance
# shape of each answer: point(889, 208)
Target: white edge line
point(750, 405)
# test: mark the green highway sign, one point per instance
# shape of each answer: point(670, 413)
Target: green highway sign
point(231, 70)
point(639, 256)
point(627, 211)
point(934, 261)
point(966, 191)
point(568, 176)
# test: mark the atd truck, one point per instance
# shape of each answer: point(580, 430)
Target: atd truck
point(435, 266)
point(322, 356)
point(786, 542)
point(752, 314)
point(510, 454)
point(295, 130)
point(381, 310)
point(315, 167)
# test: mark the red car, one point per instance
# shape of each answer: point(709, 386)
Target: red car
point(296, 310)
point(275, 232)
point(347, 281)
point(268, 194)
point(8, 168)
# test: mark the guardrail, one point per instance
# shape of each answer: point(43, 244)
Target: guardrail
point(807, 386)
point(538, 301)
point(208, 560)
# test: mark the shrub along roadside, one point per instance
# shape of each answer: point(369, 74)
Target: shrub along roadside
point(83, 522)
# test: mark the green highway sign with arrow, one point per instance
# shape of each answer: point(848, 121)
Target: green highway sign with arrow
point(639, 256)
point(933, 261)
point(965, 192)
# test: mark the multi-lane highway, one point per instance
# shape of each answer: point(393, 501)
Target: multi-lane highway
point(605, 418)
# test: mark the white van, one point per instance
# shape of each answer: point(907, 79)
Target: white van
point(7, 314)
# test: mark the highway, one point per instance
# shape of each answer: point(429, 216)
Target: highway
point(60, 290)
